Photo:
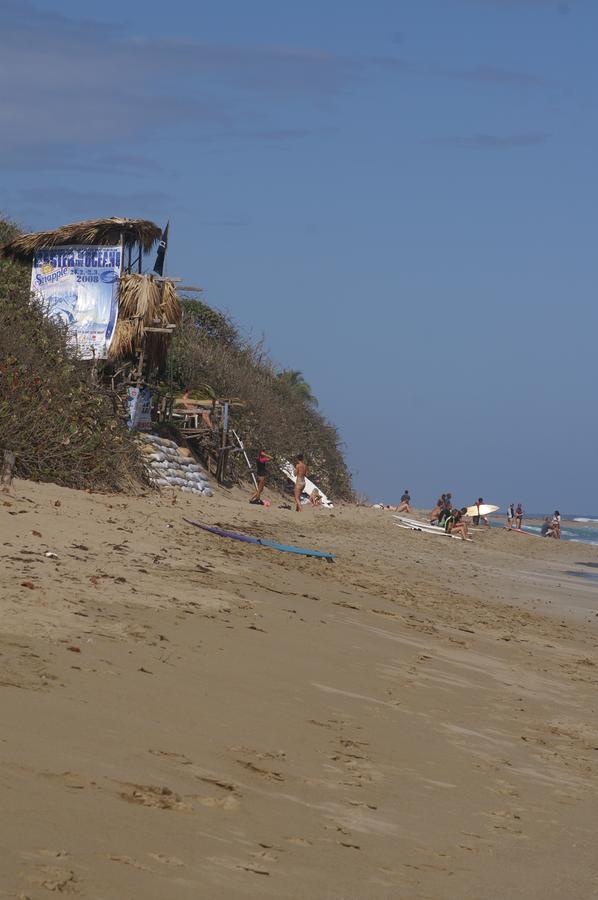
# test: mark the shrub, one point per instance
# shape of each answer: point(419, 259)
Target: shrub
point(278, 410)
point(60, 428)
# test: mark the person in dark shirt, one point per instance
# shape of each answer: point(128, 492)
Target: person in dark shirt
point(260, 469)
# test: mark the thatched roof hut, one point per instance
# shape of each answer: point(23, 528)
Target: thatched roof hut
point(134, 232)
point(148, 311)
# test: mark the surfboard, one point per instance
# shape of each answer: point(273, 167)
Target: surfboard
point(289, 471)
point(420, 526)
point(415, 523)
point(262, 542)
point(429, 530)
point(485, 509)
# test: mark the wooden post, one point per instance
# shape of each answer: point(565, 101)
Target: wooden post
point(223, 455)
point(8, 465)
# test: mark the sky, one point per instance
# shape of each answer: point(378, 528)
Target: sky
point(400, 195)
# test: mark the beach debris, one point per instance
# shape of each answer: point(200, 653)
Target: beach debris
point(51, 555)
point(28, 584)
point(36, 533)
point(74, 649)
point(57, 503)
point(169, 465)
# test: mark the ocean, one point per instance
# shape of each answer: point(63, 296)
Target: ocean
point(580, 529)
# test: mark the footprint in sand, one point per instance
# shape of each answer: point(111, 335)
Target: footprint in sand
point(167, 860)
point(62, 881)
point(267, 774)
point(156, 797)
point(128, 861)
point(179, 757)
point(227, 803)
point(299, 841)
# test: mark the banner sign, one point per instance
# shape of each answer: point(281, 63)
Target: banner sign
point(140, 408)
point(79, 285)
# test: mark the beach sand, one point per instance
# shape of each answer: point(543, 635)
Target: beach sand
point(185, 716)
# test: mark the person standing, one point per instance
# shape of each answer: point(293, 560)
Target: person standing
point(479, 518)
point(556, 524)
point(260, 469)
point(518, 516)
point(510, 516)
point(300, 476)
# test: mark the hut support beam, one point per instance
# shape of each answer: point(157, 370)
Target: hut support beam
point(8, 467)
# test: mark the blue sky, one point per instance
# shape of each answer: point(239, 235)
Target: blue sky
point(400, 195)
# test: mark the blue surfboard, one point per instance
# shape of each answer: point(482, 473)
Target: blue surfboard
point(248, 539)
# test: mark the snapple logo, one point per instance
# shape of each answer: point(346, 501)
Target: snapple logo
point(109, 276)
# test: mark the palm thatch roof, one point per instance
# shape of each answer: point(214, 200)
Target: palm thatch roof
point(144, 305)
point(92, 231)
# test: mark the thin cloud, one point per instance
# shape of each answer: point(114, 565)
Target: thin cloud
point(493, 141)
point(562, 6)
point(497, 75)
point(120, 85)
point(73, 203)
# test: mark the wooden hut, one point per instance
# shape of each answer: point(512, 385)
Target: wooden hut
point(138, 236)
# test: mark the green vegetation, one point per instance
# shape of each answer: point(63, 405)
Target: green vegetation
point(66, 430)
point(278, 412)
point(60, 427)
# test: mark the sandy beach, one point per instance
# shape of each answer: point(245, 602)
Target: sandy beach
point(185, 716)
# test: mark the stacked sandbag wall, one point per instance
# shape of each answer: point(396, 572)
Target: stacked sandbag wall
point(171, 466)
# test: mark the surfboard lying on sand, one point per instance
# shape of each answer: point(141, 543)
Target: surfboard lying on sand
point(426, 531)
point(289, 471)
point(249, 539)
point(416, 525)
point(485, 509)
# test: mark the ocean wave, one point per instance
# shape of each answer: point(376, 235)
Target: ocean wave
point(581, 519)
point(582, 541)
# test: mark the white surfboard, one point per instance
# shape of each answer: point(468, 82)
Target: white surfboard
point(289, 471)
point(429, 530)
point(485, 509)
point(416, 523)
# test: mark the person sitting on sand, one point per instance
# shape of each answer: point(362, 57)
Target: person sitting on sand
point(518, 516)
point(315, 498)
point(455, 524)
point(404, 505)
point(546, 529)
point(445, 512)
point(260, 468)
point(440, 505)
point(300, 476)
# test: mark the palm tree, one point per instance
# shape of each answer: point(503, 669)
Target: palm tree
point(293, 380)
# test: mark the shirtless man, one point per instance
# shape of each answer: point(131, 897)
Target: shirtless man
point(405, 504)
point(300, 475)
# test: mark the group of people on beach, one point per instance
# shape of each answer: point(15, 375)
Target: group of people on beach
point(551, 527)
point(514, 515)
point(300, 472)
point(450, 517)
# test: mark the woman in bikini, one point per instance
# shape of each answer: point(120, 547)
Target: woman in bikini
point(300, 475)
point(455, 524)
